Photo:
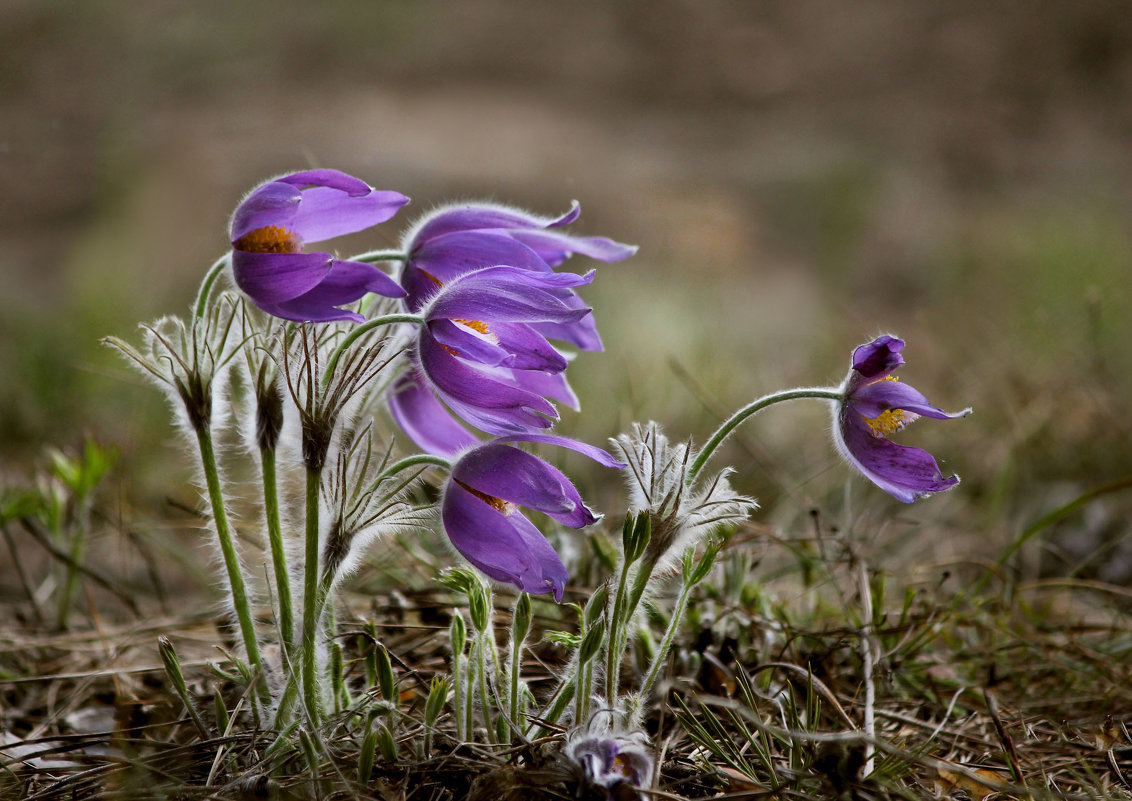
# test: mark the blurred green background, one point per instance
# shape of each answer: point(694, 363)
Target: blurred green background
point(800, 175)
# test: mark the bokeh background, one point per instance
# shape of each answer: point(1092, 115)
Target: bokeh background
point(800, 175)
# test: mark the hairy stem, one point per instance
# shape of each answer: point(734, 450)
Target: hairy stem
point(661, 654)
point(278, 554)
point(205, 291)
point(228, 547)
point(309, 643)
point(358, 333)
point(752, 408)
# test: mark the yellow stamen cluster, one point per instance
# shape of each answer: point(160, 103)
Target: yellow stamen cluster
point(269, 239)
point(888, 422)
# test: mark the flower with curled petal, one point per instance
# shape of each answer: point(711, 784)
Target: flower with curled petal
point(271, 225)
point(480, 510)
point(457, 239)
point(480, 353)
point(874, 404)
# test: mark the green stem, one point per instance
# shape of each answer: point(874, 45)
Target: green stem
point(228, 547)
point(756, 406)
point(614, 650)
point(458, 693)
point(661, 655)
point(361, 331)
point(485, 704)
point(410, 461)
point(516, 659)
point(78, 549)
point(311, 600)
point(381, 255)
point(278, 554)
point(206, 285)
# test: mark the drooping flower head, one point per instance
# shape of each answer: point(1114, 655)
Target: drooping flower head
point(875, 404)
point(457, 239)
point(480, 510)
point(481, 351)
point(615, 763)
point(271, 225)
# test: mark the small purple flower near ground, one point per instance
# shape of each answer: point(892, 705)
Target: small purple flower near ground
point(457, 239)
point(614, 763)
point(875, 404)
point(481, 352)
point(271, 225)
point(481, 516)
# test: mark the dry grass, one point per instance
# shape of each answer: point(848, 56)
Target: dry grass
point(980, 689)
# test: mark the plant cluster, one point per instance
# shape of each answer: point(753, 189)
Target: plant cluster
point(459, 340)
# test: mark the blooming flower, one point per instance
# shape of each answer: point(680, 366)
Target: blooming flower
point(271, 225)
point(874, 405)
point(458, 239)
point(480, 512)
point(480, 351)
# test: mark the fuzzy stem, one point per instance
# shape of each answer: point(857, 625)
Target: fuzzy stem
point(513, 689)
point(613, 652)
point(481, 669)
point(458, 693)
point(381, 255)
point(206, 285)
point(310, 599)
point(752, 408)
point(361, 331)
point(278, 554)
point(228, 547)
point(410, 461)
point(661, 654)
point(469, 698)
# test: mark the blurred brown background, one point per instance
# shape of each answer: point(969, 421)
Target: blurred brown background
point(800, 175)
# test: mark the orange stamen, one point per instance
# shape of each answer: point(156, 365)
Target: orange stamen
point(268, 239)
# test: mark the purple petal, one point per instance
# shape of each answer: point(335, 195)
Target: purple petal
point(555, 247)
point(273, 203)
point(903, 472)
point(872, 400)
point(549, 385)
point(480, 216)
point(269, 278)
point(879, 357)
point(510, 474)
point(508, 344)
point(597, 454)
point(333, 179)
point(451, 255)
point(580, 333)
point(505, 293)
point(347, 282)
point(492, 405)
point(425, 420)
point(325, 213)
point(527, 348)
point(468, 345)
point(506, 547)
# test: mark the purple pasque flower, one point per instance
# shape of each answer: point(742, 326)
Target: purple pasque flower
point(271, 225)
point(480, 510)
point(480, 352)
point(454, 240)
point(874, 405)
point(615, 763)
